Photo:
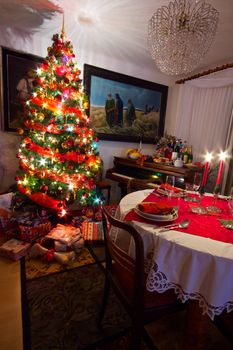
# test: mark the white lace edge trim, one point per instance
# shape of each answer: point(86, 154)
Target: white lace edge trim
point(157, 281)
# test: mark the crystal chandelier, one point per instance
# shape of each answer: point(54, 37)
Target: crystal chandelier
point(180, 34)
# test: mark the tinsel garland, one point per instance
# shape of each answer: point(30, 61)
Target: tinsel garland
point(78, 181)
point(43, 199)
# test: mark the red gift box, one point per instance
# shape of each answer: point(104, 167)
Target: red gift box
point(32, 233)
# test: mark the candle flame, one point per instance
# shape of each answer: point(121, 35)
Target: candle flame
point(208, 157)
point(222, 155)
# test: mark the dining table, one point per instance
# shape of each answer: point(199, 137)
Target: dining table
point(195, 261)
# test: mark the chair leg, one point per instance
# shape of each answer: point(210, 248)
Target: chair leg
point(148, 340)
point(103, 302)
point(137, 332)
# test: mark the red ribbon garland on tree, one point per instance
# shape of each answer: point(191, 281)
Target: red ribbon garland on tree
point(43, 199)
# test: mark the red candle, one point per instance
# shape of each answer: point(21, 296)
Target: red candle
point(220, 172)
point(204, 179)
point(206, 170)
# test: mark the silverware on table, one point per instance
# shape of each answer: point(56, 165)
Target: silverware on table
point(182, 224)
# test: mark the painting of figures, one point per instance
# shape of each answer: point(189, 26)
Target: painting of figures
point(124, 108)
point(18, 81)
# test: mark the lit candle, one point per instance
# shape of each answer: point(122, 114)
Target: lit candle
point(222, 157)
point(208, 158)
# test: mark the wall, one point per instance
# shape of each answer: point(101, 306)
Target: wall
point(38, 45)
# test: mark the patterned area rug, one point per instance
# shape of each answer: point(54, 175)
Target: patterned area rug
point(62, 307)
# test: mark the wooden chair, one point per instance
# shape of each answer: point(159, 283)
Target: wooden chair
point(127, 277)
point(142, 184)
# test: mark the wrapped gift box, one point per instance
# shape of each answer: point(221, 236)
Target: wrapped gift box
point(5, 200)
point(4, 218)
point(36, 230)
point(65, 234)
point(92, 231)
point(14, 249)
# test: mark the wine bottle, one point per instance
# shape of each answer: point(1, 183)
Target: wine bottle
point(190, 154)
point(185, 152)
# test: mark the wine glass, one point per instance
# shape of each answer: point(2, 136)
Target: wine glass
point(170, 181)
point(188, 186)
point(197, 181)
point(230, 201)
point(197, 184)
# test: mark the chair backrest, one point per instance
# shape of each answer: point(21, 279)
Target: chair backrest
point(142, 184)
point(127, 274)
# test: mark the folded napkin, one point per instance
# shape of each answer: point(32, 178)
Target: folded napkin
point(170, 187)
point(155, 208)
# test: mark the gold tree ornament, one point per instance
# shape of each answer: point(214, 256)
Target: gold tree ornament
point(20, 131)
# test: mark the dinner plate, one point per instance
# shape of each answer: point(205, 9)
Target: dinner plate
point(155, 217)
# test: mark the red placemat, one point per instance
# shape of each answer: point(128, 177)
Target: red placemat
point(204, 225)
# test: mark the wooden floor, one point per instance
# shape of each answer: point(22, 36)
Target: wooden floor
point(11, 335)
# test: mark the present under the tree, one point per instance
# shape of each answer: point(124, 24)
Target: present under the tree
point(32, 233)
point(92, 231)
point(65, 237)
point(14, 249)
point(5, 214)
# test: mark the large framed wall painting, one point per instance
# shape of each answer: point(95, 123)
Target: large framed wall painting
point(125, 108)
point(17, 84)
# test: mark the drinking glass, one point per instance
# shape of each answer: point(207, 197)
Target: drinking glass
point(170, 180)
point(196, 187)
point(188, 186)
point(197, 181)
point(230, 201)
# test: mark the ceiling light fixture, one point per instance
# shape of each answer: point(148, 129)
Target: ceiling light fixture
point(180, 34)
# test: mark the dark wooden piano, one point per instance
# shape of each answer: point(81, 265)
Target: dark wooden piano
point(126, 169)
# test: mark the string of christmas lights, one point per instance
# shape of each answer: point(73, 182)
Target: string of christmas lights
point(58, 156)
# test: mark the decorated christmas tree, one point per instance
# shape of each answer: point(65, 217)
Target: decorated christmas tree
point(58, 156)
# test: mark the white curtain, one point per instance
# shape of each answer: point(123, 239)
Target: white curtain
point(204, 114)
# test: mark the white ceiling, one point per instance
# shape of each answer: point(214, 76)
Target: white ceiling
point(111, 28)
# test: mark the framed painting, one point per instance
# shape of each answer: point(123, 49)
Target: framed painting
point(17, 83)
point(125, 108)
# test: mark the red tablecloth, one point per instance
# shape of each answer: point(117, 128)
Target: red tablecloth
point(205, 225)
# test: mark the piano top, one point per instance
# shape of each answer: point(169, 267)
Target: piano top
point(126, 169)
point(153, 166)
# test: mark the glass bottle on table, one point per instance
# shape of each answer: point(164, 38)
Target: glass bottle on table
point(185, 152)
point(190, 154)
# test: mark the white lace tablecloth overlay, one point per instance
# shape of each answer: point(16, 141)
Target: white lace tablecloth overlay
point(195, 267)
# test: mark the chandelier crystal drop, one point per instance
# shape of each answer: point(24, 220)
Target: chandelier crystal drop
point(180, 34)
